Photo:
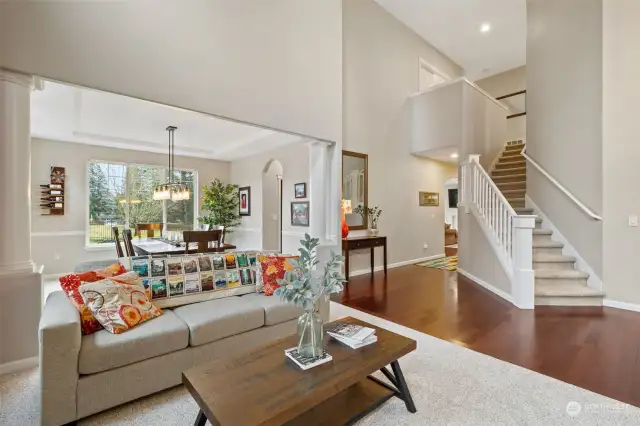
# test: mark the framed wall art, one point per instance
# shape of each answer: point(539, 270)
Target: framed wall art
point(428, 199)
point(299, 213)
point(244, 206)
point(300, 190)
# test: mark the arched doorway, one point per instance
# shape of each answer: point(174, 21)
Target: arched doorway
point(272, 206)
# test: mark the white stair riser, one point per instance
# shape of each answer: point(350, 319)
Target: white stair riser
point(556, 266)
point(547, 250)
point(568, 301)
point(541, 238)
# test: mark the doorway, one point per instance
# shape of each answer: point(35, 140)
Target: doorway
point(272, 206)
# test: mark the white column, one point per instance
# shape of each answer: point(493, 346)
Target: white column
point(318, 189)
point(15, 173)
point(523, 291)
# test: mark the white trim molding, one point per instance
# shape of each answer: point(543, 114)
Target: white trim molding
point(293, 233)
point(58, 234)
point(19, 365)
point(558, 185)
point(621, 305)
point(395, 265)
point(482, 283)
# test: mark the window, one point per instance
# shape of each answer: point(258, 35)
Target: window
point(122, 195)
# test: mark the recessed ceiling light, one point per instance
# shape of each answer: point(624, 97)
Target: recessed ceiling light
point(454, 155)
point(485, 28)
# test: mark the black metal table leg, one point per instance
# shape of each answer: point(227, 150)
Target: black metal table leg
point(402, 387)
point(201, 419)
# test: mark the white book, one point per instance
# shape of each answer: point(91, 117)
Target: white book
point(351, 331)
point(354, 344)
point(306, 363)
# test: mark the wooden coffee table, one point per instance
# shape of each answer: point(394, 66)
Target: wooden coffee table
point(263, 387)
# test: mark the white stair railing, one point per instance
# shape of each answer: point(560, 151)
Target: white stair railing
point(510, 234)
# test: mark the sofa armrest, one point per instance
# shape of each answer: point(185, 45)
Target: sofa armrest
point(59, 341)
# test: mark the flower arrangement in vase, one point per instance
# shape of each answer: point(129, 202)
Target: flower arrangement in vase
point(373, 213)
point(305, 286)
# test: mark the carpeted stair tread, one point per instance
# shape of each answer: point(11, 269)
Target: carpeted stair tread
point(542, 231)
point(506, 186)
point(518, 192)
point(524, 210)
point(552, 258)
point(566, 290)
point(509, 172)
point(509, 178)
point(547, 244)
point(560, 274)
point(510, 164)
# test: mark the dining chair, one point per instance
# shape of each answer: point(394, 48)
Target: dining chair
point(151, 229)
point(203, 238)
point(128, 246)
point(116, 236)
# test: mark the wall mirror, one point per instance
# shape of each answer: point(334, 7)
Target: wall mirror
point(355, 182)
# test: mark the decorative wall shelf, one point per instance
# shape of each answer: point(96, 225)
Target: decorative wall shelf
point(52, 194)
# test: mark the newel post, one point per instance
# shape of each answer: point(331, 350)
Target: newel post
point(523, 290)
point(468, 176)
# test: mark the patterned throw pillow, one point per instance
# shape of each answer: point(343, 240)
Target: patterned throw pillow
point(273, 269)
point(118, 306)
point(70, 284)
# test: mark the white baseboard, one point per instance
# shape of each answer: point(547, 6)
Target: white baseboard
point(395, 265)
point(594, 280)
point(486, 285)
point(21, 364)
point(621, 305)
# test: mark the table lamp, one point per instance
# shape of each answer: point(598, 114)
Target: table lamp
point(346, 209)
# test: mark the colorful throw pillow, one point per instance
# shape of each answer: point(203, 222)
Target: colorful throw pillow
point(182, 279)
point(70, 284)
point(273, 269)
point(118, 306)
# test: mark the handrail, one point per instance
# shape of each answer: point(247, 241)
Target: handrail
point(521, 92)
point(463, 80)
point(564, 190)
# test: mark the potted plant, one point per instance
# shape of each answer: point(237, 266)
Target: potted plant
point(304, 286)
point(220, 204)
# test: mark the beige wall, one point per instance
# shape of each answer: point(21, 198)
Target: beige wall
point(505, 83)
point(275, 63)
point(381, 57)
point(564, 112)
point(294, 159)
point(58, 242)
point(621, 150)
point(476, 256)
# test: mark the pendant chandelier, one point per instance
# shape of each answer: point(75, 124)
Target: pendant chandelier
point(174, 191)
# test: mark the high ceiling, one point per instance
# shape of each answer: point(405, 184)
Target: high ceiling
point(72, 114)
point(453, 27)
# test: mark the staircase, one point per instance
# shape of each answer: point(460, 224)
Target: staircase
point(557, 281)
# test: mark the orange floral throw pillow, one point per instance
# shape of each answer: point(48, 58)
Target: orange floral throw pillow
point(70, 284)
point(273, 269)
point(118, 306)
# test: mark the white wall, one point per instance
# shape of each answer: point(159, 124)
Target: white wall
point(58, 242)
point(437, 119)
point(274, 63)
point(621, 151)
point(381, 58)
point(505, 83)
point(294, 159)
point(271, 207)
point(564, 111)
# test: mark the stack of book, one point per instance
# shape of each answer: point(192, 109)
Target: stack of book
point(352, 335)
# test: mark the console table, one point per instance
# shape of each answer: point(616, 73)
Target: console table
point(356, 243)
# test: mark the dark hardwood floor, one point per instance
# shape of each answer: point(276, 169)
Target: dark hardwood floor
point(593, 348)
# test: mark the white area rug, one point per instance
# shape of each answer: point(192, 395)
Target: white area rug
point(450, 385)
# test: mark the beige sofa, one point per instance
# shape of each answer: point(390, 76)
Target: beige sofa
point(82, 375)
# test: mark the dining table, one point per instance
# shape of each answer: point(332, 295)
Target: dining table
point(154, 246)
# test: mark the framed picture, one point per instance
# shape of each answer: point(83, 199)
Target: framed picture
point(300, 190)
point(428, 199)
point(244, 206)
point(299, 213)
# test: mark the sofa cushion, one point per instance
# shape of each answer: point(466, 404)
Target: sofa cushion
point(103, 351)
point(216, 319)
point(275, 310)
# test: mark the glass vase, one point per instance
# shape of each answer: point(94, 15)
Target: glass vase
point(310, 333)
